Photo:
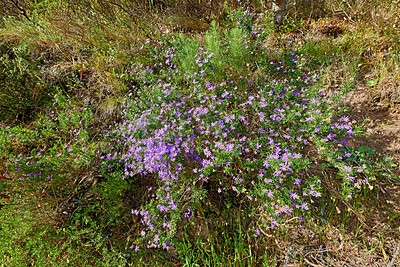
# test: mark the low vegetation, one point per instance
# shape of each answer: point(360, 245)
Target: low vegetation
point(199, 133)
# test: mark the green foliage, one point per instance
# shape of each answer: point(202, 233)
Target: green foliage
point(351, 162)
point(229, 244)
point(22, 240)
point(29, 237)
point(228, 52)
point(230, 251)
point(52, 153)
point(53, 147)
point(22, 90)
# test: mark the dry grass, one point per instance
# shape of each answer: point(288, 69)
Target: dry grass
point(357, 44)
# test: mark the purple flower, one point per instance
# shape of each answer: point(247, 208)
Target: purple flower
point(347, 169)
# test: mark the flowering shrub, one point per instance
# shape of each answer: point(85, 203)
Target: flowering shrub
point(221, 116)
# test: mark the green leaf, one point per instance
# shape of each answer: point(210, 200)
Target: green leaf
point(366, 150)
point(396, 179)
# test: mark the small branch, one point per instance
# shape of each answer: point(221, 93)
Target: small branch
point(312, 264)
point(23, 10)
point(6, 178)
point(341, 12)
point(394, 256)
point(264, 233)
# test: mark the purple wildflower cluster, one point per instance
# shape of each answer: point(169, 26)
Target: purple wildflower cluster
point(188, 127)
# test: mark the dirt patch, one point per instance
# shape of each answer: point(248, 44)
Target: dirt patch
point(384, 123)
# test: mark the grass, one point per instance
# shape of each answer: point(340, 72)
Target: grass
point(29, 237)
point(88, 56)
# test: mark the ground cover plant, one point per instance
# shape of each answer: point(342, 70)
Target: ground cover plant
point(212, 148)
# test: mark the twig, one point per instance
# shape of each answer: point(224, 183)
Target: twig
point(6, 178)
point(23, 10)
point(394, 256)
point(312, 264)
point(262, 231)
point(318, 251)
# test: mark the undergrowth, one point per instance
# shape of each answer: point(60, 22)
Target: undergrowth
point(144, 144)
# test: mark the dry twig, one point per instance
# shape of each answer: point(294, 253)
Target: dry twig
point(394, 256)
